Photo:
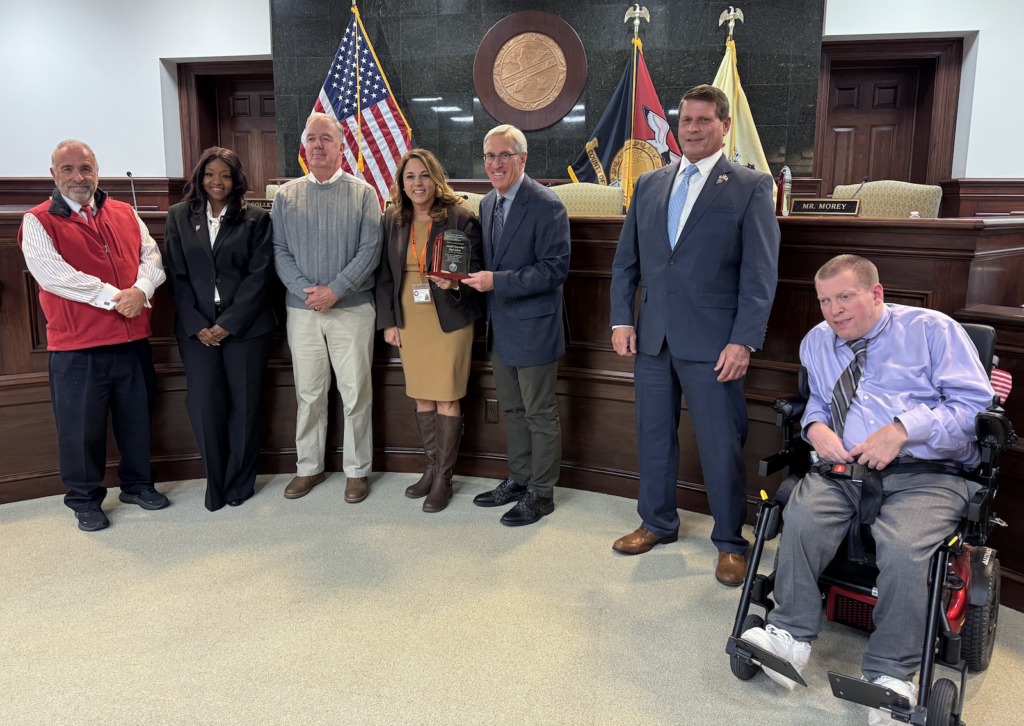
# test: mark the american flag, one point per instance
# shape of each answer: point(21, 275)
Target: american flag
point(1002, 382)
point(369, 115)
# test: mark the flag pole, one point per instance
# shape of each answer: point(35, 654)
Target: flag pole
point(635, 14)
point(359, 115)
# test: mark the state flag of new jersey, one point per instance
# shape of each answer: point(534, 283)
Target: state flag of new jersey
point(742, 144)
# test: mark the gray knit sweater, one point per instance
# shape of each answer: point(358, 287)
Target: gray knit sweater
point(327, 234)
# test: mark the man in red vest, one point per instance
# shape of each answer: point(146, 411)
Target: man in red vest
point(97, 268)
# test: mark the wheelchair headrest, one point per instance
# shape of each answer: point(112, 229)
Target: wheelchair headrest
point(984, 339)
point(802, 384)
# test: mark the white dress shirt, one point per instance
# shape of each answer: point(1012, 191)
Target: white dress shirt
point(312, 177)
point(697, 181)
point(53, 274)
point(213, 225)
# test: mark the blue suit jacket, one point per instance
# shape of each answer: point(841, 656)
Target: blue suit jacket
point(524, 310)
point(717, 286)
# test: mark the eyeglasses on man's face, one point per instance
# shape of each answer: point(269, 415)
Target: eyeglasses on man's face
point(503, 158)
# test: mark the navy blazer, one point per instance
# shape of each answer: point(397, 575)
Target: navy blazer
point(239, 264)
point(717, 286)
point(525, 310)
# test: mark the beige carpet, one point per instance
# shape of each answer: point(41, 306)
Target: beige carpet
point(320, 612)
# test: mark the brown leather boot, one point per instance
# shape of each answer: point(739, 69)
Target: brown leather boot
point(427, 423)
point(449, 431)
point(300, 486)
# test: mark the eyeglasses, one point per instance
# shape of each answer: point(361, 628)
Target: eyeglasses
point(491, 158)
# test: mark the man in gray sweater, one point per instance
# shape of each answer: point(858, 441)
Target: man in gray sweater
point(326, 247)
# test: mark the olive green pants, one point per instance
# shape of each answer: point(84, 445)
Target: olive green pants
point(527, 396)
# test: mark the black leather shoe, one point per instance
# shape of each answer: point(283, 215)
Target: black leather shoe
point(529, 510)
point(507, 491)
point(92, 521)
point(147, 499)
point(235, 502)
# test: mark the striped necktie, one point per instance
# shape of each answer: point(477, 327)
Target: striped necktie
point(498, 225)
point(846, 386)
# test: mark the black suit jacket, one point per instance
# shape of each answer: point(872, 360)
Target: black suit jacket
point(455, 308)
point(239, 264)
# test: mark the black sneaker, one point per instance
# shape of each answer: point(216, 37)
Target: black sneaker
point(92, 521)
point(147, 499)
point(529, 510)
point(507, 491)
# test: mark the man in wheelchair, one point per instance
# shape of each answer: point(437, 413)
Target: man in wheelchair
point(894, 389)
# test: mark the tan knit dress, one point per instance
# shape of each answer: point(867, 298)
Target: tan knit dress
point(436, 363)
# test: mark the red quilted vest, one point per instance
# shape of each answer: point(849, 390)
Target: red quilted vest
point(110, 252)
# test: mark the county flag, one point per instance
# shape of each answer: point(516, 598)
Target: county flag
point(633, 135)
point(356, 93)
point(742, 144)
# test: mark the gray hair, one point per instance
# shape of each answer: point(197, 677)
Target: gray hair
point(509, 132)
point(318, 116)
point(67, 144)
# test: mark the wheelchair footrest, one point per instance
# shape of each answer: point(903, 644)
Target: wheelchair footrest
point(752, 654)
point(872, 695)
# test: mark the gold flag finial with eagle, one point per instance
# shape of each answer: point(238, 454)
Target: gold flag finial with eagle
point(636, 14)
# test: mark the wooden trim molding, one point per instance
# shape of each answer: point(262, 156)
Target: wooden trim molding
point(190, 107)
point(948, 56)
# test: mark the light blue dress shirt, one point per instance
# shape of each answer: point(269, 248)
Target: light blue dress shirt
point(921, 369)
point(510, 195)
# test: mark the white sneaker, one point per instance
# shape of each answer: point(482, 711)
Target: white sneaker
point(878, 717)
point(779, 642)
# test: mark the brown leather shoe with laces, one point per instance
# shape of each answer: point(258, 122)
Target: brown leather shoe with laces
point(643, 540)
point(356, 489)
point(300, 486)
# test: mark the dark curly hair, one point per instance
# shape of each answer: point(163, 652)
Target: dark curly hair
point(195, 192)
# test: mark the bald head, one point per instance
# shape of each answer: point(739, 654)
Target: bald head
point(74, 170)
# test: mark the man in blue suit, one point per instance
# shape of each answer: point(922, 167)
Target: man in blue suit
point(702, 241)
point(526, 260)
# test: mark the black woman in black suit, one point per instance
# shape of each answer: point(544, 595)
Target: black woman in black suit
point(219, 255)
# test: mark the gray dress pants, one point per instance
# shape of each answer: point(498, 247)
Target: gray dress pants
point(918, 512)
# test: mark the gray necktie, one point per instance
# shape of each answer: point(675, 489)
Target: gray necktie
point(499, 224)
point(846, 386)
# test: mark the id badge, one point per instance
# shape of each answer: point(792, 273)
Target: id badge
point(421, 292)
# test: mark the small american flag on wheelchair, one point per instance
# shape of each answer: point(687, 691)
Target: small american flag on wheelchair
point(1002, 382)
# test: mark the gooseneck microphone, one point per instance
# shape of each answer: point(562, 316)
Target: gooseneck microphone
point(863, 181)
point(135, 202)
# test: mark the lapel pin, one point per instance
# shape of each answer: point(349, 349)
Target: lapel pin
point(197, 227)
point(723, 178)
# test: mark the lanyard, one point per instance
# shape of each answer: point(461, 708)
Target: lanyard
point(421, 261)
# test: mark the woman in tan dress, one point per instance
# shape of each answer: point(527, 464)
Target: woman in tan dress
point(428, 318)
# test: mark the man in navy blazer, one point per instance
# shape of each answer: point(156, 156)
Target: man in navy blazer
point(526, 260)
point(702, 241)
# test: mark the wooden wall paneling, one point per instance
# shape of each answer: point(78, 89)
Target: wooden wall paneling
point(153, 193)
point(966, 197)
point(927, 262)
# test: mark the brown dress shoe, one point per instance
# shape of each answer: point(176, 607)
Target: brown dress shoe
point(300, 486)
point(732, 569)
point(641, 541)
point(356, 489)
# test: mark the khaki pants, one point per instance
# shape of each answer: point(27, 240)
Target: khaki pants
point(342, 338)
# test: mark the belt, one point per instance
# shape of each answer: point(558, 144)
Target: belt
point(870, 481)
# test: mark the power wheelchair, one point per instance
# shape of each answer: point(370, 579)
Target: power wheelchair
point(963, 581)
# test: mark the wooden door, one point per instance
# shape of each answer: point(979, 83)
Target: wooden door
point(246, 124)
point(870, 124)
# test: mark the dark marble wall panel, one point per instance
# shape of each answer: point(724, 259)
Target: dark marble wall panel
point(426, 48)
